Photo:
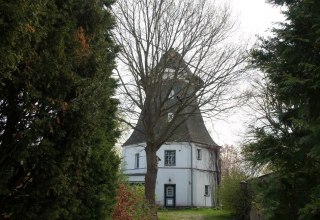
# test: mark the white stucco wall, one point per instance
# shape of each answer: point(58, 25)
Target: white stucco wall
point(183, 155)
point(208, 158)
point(137, 179)
point(201, 179)
point(179, 177)
point(128, 155)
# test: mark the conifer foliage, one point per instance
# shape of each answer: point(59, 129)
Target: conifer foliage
point(289, 144)
point(57, 127)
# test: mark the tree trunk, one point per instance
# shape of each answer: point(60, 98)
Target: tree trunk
point(151, 177)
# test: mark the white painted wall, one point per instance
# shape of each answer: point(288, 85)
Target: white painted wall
point(136, 179)
point(128, 155)
point(206, 160)
point(200, 180)
point(183, 155)
point(180, 177)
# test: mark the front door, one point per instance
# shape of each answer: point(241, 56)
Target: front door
point(170, 195)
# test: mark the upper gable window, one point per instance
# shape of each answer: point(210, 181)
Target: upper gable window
point(170, 116)
point(199, 154)
point(171, 95)
point(168, 73)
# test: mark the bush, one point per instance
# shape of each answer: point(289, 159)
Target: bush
point(235, 195)
point(131, 203)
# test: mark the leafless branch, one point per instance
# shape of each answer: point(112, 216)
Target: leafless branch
point(199, 31)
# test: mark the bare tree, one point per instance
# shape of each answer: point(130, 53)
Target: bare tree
point(230, 160)
point(176, 56)
point(265, 107)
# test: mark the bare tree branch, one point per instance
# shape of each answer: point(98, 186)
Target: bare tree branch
point(182, 46)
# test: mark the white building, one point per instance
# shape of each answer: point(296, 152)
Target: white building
point(188, 166)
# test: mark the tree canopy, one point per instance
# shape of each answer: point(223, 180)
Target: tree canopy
point(176, 57)
point(289, 140)
point(57, 126)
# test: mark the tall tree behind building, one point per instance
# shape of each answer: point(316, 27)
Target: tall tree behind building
point(177, 60)
point(288, 141)
point(57, 127)
point(230, 160)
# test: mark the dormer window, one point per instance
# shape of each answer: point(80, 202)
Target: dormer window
point(168, 73)
point(170, 116)
point(171, 95)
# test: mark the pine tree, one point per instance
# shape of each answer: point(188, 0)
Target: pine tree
point(57, 127)
point(290, 144)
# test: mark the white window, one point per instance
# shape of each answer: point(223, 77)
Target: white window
point(199, 154)
point(206, 190)
point(170, 191)
point(170, 116)
point(171, 95)
point(136, 162)
point(169, 157)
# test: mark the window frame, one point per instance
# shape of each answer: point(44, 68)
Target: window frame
point(137, 161)
point(206, 190)
point(169, 159)
point(199, 154)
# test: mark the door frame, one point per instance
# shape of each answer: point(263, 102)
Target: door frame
point(173, 197)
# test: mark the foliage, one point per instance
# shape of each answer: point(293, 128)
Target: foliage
point(99, 194)
point(230, 160)
point(195, 213)
point(56, 110)
point(234, 194)
point(267, 200)
point(289, 142)
point(131, 203)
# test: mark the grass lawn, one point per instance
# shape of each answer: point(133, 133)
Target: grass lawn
point(194, 214)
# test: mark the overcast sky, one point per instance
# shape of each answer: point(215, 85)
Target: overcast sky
point(255, 17)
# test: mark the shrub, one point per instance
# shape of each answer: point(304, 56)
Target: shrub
point(131, 203)
point(235, 195)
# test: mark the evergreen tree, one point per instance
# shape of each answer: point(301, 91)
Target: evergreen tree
point(290, 143)
point(57, 127)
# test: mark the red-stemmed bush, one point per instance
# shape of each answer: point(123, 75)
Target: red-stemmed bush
point(131, 204)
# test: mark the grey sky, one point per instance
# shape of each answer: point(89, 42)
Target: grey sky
point(255, 17)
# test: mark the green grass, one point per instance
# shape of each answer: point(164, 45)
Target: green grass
point(194, 214)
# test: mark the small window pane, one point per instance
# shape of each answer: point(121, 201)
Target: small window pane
point(170, 191)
